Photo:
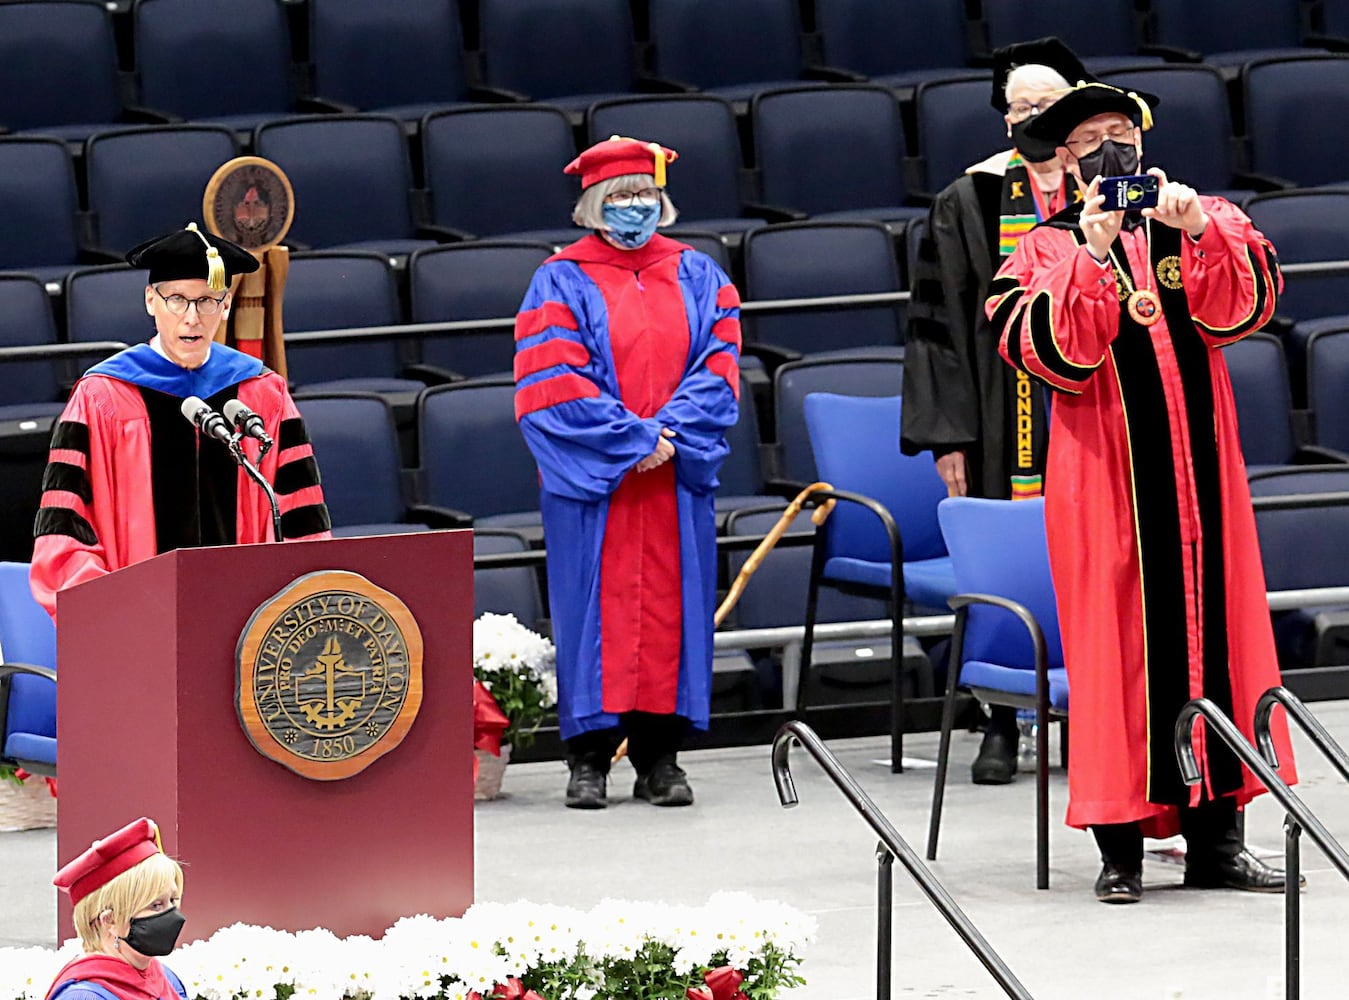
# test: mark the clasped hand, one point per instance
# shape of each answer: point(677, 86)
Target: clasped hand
point(663, 453)
point(1178, 206)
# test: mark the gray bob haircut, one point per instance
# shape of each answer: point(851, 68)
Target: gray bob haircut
point(589, 210)
point(1035, 76)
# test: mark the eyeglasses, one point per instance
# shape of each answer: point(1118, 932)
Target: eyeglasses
point(1021, 110)
point(206, 305)
point(1087, 145)
point(626, 199)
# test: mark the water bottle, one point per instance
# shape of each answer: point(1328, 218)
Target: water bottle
point(1026, 730)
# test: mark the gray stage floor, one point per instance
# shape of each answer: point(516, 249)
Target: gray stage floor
point(819, 857)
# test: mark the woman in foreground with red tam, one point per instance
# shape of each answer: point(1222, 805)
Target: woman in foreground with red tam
point(627, 376)
point(126, 892)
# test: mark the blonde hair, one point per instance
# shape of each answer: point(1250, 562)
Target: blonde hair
point(125, 896)
point(589, 211)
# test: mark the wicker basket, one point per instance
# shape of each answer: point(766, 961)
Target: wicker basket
point(491, 769)
point(30, 806)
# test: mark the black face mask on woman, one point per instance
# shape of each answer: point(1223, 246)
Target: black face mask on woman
point(156, 935)
point(1113, 159)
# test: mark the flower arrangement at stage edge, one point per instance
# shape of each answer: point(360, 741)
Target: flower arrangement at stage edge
point(517, 668)
point(732, 948)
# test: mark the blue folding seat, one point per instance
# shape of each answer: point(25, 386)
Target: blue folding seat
point(1327, 380)
point(876, 373)
point(148, 181)
point(27, 676)
point(569, 53)
point(497, 170)
point(39, 207)
point(58, 68)
point(800, 138)
point(1285, 141)
point(400, 59)
point(1227, 33)
point(1104, 35)
point(730, 49)
point(1192, 139)
point(505, 590)
point(707, 183)
point(106, 304)
point(897, 45)
point(223, 61)
point(333, 291)
point(803, 259)
point(712, 244)
point(1307, 226)
point(956, 128)
point(465, 281)
point(28, 389)
point(473, 457)
point(352, 177)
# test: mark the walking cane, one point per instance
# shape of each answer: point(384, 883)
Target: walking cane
point(756, 557)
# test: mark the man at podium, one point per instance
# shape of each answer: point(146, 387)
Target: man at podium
point(130, 475)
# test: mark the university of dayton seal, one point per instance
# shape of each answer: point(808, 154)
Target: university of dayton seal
point(329, 675)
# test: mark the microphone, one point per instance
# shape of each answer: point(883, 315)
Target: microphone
point(210, 423)
point(247, 423)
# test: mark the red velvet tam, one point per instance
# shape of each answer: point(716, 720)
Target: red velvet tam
point(108, 858)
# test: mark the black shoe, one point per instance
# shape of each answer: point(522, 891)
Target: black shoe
point(664, 785)
point(586, 788)
point(1240, 871)
point(996, 763)
point(1119, 885)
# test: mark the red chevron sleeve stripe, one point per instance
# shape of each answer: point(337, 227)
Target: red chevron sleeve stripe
point(727, 297)
point(728, 329)
point(533, 321)
point(551, 391)
point(724, 364)
point(558, 351)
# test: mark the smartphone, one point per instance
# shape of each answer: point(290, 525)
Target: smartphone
point(1129, 193)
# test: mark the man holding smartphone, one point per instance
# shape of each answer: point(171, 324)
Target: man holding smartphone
point(1151, 536)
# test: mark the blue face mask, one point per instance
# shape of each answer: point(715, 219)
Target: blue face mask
point(630, 226)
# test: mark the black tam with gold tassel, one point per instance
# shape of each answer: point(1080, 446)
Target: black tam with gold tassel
point(190, 253)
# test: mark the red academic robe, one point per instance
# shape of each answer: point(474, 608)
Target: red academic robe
point(128, 477)
point(1151, 535)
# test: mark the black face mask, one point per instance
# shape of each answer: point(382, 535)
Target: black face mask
point(156, 935)
point(1032, 150)
point(1113, 159)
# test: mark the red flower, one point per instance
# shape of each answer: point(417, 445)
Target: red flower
point(722, 984)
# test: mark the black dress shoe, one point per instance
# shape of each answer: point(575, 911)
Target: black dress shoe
point(1239, 871)
point(664, 785)
point(1119, 885)
point(996, 763)
point(586, 788)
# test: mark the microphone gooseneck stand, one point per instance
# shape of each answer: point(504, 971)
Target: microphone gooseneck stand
point(240, 459)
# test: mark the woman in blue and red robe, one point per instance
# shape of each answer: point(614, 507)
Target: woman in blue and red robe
point(627, 376)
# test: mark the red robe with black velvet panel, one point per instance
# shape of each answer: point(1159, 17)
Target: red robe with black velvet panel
point(119, 447)
point(613, 345)
point(1151, 535)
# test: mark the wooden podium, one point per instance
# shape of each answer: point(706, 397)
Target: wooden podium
point(147, 725)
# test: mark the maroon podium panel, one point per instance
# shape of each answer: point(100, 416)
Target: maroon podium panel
point(147, 726)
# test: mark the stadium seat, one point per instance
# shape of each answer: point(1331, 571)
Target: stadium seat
point(494, 171)
point(1104, 35)
point(352, 177)
point(707, 183)
point(27, 675)
point(712, 244)
point(206, 60)
point(1005, 604)
point(832, 152)
point(895, 45)
point(729, 49)
point(28, 389)
point(39, 206)
point(58, 68)
point(1227, 33)
point(400, 59)
point(1327, 381)
point(467, 281)
point(1285, 141)
point(106, 303)
point(802, 259)
point(507, 590)
point(1307, 226)
point(569, 53)
point(956, 128)
point(145, 182)
point(874, 373)
point(333, 291)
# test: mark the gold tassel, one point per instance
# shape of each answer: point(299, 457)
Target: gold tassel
point(655, 148)
point(215, 267)
point(1146, 111)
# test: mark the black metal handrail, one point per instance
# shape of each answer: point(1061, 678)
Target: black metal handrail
point(1310, 725)
point(1297, 816)
point(43, 352)
point(891, 846)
